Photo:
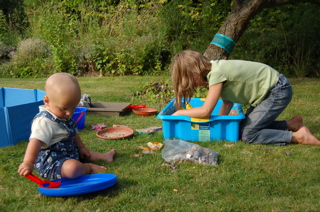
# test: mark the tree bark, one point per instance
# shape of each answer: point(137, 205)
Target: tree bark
point(238, 20)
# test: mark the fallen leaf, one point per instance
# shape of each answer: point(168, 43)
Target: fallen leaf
point(155, 145)
point(145, 148)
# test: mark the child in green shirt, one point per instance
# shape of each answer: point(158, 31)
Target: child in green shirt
point(266, 91)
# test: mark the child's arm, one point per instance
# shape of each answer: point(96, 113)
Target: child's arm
point(33, 149)
point(83, 150)
point(205, 110)
point(225, 107)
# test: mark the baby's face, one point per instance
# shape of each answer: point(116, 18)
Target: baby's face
point(62, 107)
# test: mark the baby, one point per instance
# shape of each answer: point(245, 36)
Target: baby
point(55, 148)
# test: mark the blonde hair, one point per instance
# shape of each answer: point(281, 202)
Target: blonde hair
point(187, 68)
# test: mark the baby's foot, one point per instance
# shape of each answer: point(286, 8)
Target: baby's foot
point(108, 157)
point(295, 123)
point(304, 136)
point(96, 168)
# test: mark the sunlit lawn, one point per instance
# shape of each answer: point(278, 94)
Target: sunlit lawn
point(248, 177)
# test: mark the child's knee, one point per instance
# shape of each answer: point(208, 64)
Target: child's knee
point(249, 136)
point(72, 168)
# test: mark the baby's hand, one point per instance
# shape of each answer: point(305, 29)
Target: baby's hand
point(84, 153)
point(25, 168)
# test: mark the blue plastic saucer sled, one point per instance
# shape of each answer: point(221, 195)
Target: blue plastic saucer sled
point(81, 185)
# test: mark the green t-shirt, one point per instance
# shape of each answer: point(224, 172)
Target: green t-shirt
point(246, 82)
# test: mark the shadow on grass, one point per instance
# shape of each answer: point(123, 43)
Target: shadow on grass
point(110, 192)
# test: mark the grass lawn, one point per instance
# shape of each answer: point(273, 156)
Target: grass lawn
point(248, 177)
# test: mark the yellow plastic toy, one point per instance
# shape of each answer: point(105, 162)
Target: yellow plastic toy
point(188, 106)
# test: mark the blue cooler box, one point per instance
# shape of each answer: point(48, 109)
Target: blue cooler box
point(17, 109)
point(215, 128)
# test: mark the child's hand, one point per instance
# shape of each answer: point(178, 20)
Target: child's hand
point(177, 113)
point(25, 168)
point(84, 153)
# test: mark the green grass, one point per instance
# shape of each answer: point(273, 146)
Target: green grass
point(248, 177)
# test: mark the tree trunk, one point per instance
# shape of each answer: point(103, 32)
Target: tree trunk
point(238, 20)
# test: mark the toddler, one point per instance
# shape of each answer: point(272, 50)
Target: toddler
point(55, 148)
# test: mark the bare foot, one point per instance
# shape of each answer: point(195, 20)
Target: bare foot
point(96, 168)
point(304, 136)
point(108, 157)
point(295, 123)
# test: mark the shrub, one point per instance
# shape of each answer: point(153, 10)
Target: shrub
point(109, 38)
point(30, 60)
point(31, 48)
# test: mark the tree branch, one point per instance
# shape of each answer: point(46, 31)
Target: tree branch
point(237, 21)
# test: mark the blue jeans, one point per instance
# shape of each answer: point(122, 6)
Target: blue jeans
point(259, 126)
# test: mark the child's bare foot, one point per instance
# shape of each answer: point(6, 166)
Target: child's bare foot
point(304, 136)
point(108, 157)
point(96, 168)
point(295, 123)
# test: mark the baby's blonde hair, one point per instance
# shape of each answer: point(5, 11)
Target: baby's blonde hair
point(187, 68)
